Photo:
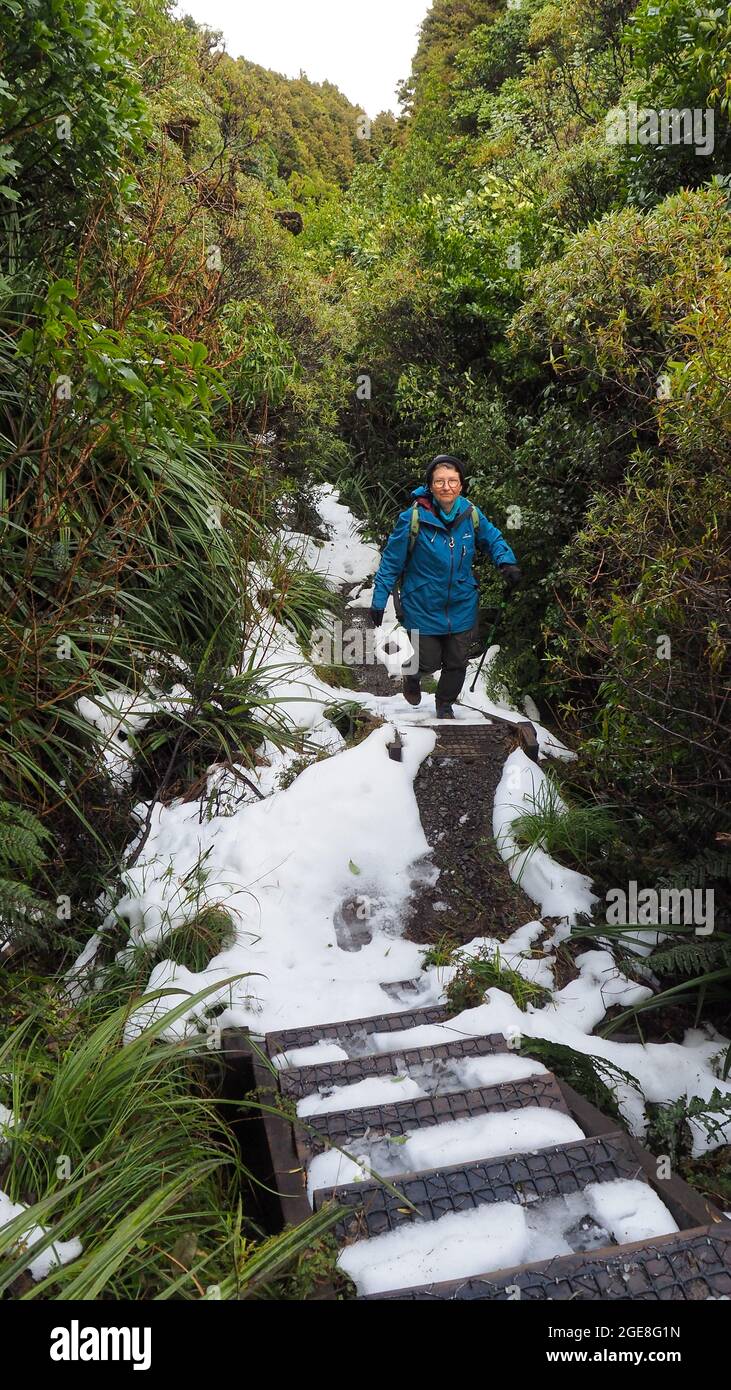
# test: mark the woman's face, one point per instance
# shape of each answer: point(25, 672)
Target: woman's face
point(446, 485)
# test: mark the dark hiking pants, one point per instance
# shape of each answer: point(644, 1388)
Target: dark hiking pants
point(448, 652)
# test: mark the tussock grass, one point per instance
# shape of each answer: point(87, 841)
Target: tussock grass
point(574, 832)
point(486, 970)
point(126, 1147)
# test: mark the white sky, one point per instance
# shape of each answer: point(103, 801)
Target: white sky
point(364, 46)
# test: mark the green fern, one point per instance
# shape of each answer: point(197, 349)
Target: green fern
point(22, 840)
point(707, 867)
point(593, 1077)
point(669, 1122)
point(691, 958)
point(22, 856)
point(16, 897)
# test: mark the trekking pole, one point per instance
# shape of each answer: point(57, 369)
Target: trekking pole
point(501, 610)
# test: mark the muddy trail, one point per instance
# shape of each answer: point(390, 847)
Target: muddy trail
point(455, 787)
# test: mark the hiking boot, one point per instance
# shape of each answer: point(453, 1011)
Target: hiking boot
point(411, 688)
point(445, 712)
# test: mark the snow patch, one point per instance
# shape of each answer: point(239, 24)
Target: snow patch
point(57, 1254)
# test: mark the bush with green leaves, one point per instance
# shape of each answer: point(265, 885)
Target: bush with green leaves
point(679, 61)
point(639, 659)
point(637, 311)
point(492, 54)
point(70, 107)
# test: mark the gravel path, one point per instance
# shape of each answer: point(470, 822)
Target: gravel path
point(474, 894)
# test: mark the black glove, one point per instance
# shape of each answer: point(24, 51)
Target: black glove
point(511, 574)
point(377, 616)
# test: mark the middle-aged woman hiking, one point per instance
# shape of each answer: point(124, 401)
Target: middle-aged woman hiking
point(433, 546)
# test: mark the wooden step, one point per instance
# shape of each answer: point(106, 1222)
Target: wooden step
point(688, 1266)
point(294, 1038)
point(344, 1128)
point(371, 1209)
point(297, 1082)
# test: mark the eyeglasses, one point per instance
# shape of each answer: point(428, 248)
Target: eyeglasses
point(440, 482)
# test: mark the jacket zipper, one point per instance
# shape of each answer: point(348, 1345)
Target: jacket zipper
point(449, 590)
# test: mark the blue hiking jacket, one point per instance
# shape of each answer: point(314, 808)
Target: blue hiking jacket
point(439, 592)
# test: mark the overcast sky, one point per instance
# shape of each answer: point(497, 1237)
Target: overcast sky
point(364, 46)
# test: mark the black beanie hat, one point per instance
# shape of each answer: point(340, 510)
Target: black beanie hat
point(445, 459)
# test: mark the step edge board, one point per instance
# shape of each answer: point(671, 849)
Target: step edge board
point(478, 1091)
point(368, 1187)
point(404, 1053)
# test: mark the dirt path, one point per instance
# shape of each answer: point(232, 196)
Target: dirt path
point(474, 894)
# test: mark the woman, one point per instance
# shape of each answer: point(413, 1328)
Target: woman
point(433, 547)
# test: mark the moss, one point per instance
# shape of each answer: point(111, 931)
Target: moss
point(195, 943)
point(289, 774)
point(341, 677)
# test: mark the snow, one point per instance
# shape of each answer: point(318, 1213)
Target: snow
point(560, 892)
point(429, 1079)
point(454, 1247)
point(347, 831)
point(119, 715)
point(292, 688)
point(319, 1053)
point(375, 1090)
point(345, 558)
point(457, 1141)
point(347, 828)
point(630, 1210)
point(486, 1136)
point(337, 1169)
point(59, 1253)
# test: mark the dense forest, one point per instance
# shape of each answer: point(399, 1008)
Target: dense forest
point(203, 262)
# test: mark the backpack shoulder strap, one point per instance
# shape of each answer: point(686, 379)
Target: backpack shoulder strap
point(415, 524)
point(414, 528)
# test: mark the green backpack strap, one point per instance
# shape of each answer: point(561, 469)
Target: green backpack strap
point(414, 528)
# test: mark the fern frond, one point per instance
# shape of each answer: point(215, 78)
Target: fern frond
point(22, 840)
point(690, 958)
point(707, 867)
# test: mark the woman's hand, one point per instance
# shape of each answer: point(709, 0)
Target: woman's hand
point(511, 574)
